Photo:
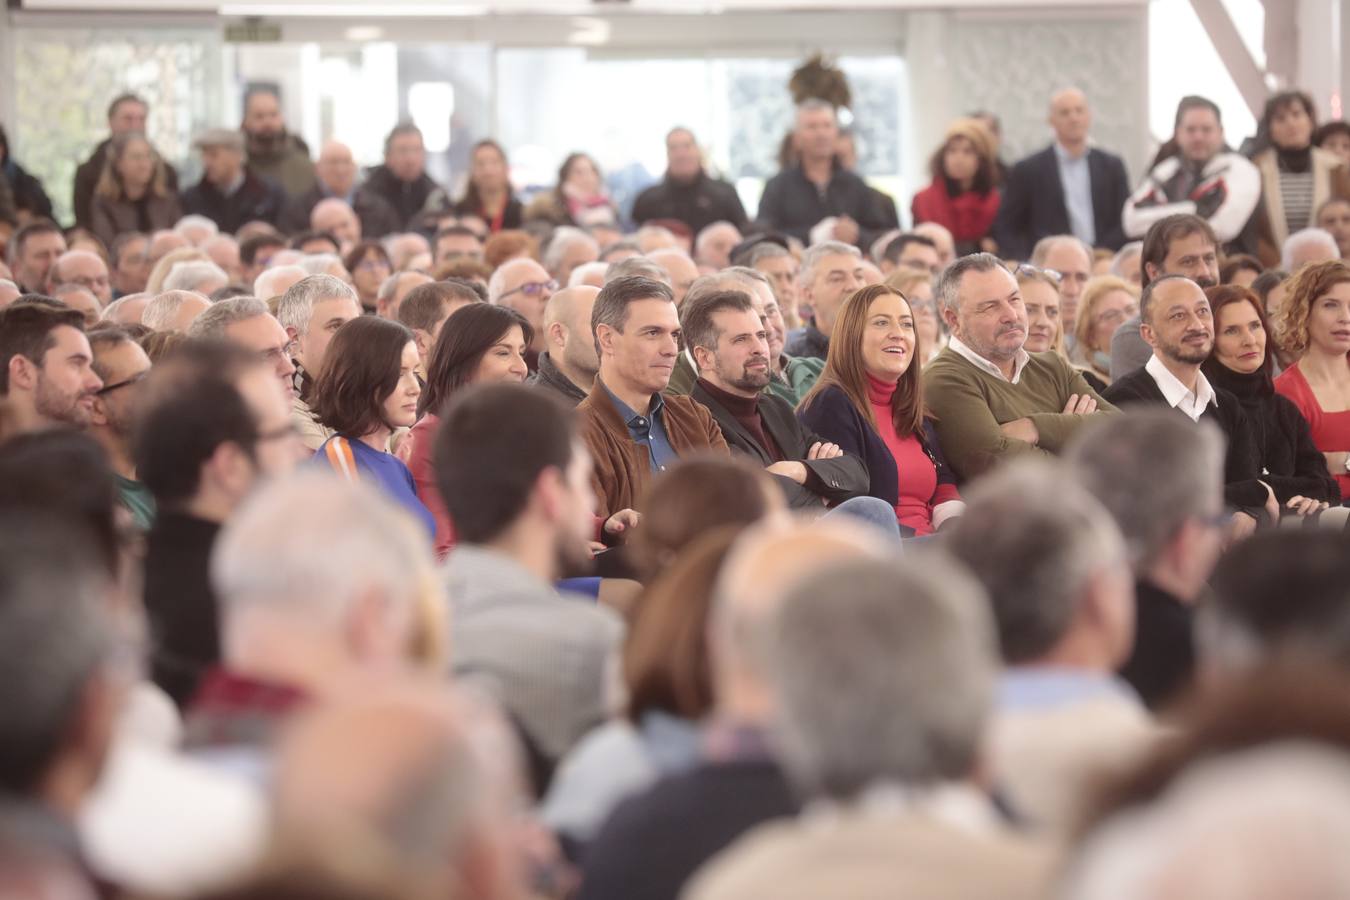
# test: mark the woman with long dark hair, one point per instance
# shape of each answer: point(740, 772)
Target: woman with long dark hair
point(367, 390)
point(962, 197)
point(1296, 177)
point(1241, 363)
point(869, 401)
point(479, 343)
point(579, 199)
point(488, 194)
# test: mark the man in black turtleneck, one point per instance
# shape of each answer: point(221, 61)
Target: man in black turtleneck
point(687, 193)
point(731, 348)
point(1196, 173)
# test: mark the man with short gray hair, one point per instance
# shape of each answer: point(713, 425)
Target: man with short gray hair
point(852, 654)
point(174, 311)
point(829, 274)
point(1059, 582)
point(274, 282)
point(394, 289)
point(320, 581)
point(713, 246)
point(85, 268)
point(569, 365)
point(990, 398)
point(198, 276)
point(1160, 477)
point(657, 838)
point(1311, 245)
point(817, 194)
point(568, 248)
point(312, 310)
point(1071, 260)
point(246, 323)
point(637, 265)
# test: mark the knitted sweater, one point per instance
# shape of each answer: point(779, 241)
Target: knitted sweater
point(969, 405)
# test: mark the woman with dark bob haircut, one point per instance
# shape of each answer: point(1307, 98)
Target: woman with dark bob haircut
point(479, 344)
point(366, 391)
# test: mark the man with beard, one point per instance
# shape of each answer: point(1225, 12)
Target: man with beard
point(274, 153)
point(122, 365)
point(730, 344)
point(46, 367)
point(516, 480)
point(1179, 326)
point(1182, 244)
point(990, 399)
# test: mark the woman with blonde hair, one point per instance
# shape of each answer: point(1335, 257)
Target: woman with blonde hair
point(916, 286)
point(1106, 303)
point(133, 192)
point(1314, 325)
point(869, 401)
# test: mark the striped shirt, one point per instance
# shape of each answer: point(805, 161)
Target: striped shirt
point(1296, 192)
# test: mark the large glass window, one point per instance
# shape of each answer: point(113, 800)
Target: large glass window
point(61, 110)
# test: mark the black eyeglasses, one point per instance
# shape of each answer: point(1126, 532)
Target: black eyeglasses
point(533, 288)
point(109, 388)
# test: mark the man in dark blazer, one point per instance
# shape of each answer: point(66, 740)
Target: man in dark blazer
point(730, 346)
point(1067, 188)
point(1179, 326)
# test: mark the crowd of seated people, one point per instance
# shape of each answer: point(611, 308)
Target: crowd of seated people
point(364, 538)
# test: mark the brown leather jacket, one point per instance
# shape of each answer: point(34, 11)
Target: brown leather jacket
point(622, 467)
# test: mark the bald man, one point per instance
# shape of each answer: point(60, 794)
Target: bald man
point(681, 269)
point(568, 365)
point(84, 268)
point(429, 777)
point(336, 178)
point(525, 286)
point(336, 217)
point(1067, 188)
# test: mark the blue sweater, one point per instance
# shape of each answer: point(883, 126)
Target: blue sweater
point(351, 459)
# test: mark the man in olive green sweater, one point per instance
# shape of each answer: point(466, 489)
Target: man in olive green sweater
point(989, 397)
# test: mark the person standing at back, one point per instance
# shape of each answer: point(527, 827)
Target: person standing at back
point(1067, 188)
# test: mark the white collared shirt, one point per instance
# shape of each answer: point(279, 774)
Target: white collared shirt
point(1178, 396)
point(1019, 361)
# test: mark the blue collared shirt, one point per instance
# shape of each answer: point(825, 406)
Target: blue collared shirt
point(1040, 687)
point(649, 430)
point(1076, 180)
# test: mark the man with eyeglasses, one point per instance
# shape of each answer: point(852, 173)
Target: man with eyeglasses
point(46, 373)
point(1069, 261)
point(246, 323)
point(525, 286)
point(211, 423)
point(122, 365)
point(84, 268)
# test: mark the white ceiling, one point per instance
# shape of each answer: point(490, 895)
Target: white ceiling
point(462, 8)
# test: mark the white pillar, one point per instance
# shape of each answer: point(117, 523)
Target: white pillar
point(1319, 63)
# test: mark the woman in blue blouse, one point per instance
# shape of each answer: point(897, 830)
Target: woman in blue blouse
point(366, 390)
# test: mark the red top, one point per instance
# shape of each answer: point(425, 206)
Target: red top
point(1330, 430)
point(421, 437)
point(918, 477)
point(968, 216)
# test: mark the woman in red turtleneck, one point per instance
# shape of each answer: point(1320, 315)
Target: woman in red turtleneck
point(963, 196)
point(869, 401)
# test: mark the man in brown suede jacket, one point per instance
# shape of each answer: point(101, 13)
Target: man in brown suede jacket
point(631, 430)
